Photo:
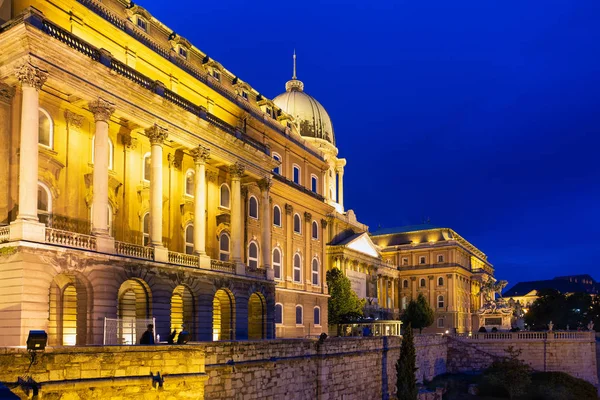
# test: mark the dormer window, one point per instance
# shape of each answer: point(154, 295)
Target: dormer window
point(268, 111)
point(142, 23)
point(216, 74)
point(183, 52)
point(245, 94)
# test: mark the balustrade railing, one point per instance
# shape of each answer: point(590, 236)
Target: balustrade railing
point(256, 272)
point(527, 335)
point(189, 260)
point(222, 266)
point(70, 239)
point(134, 250)
point(4, 234)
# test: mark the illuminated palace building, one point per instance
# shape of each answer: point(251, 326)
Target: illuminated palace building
point(142, 181)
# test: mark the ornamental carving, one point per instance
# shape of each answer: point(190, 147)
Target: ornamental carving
point(200, 154)
point(289, 209)
point(73, 119)
point(237, 170)
point(307, 216)
point(413, 278)
point(102, 109)
point(129, 141)
point(6, 92)
point(265, 183)
point(156, 134)
point(324, 223)
point(30, 75)
point(211, 176)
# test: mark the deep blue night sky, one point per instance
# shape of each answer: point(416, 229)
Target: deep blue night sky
point(482, 115)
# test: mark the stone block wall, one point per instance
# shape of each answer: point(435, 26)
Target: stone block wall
point(124, 372)
point(576, 357)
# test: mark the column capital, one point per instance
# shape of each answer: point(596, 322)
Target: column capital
point(30, 75)
point(307, 216)
point(289, 209)
point(211, 176)
point(6, 92)
point(156, 134)
point(449, 276)
point(237, 170)
point(129, 142)
point(200, 154)
point(102, 109)
point(324, 223)
point(339, 170)
point(265, 183)
point(74, 119)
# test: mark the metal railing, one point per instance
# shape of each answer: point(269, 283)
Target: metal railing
point(70, 239)
point(189, 260)
point(134, 250)
point(222, 266)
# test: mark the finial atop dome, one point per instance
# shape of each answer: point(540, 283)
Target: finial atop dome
point(294, 84)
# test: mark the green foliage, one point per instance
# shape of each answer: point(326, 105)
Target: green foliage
point(406, 381)
point(418, 314)
point(560, 386)
point(510, 374)
point(7, 251)
point(343, 303)
point(574, 310)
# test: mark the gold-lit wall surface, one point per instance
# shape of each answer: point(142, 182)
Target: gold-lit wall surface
point(246, 129)
point(445, 268)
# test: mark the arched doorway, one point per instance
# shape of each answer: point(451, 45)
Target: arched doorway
point(256, 316)
point(223, 315)
point(183, 310)
point(68, 311)
point(133, 311)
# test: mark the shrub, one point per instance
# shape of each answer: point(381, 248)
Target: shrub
point(510, 373)
point(482, 330)
point(560, 386)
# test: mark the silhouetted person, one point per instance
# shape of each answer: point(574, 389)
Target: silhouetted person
point(184, 336)
point(171, 338)
point(148, 336)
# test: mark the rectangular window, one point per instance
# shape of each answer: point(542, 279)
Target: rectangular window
point(183, 52)
point(440, 322)
point(422, 260)
point(296, 174)
point(142, 24)
point(405, 261)
point(313, 184)
point(245, 94)
point(216, 74)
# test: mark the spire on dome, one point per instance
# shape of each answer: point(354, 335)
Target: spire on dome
point(294, 84)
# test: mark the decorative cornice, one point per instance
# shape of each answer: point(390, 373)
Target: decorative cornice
point(211, 176)
point(73, 119)
point(307, 216)
point(237, 170)
point(102, 109)
point(30, 75)
point(200, 154)
point(156, 134)
point(265, 184)
point(289, 209)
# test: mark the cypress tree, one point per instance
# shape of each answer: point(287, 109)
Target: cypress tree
point(406, 381)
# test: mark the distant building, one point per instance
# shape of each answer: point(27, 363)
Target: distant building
point(527, 292)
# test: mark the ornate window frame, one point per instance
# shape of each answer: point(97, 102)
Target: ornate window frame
point(250, 259)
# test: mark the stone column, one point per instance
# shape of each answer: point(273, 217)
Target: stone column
point(266, 225)
point(27, 224)
point(393, 293)
point(157, 136)
point(450, 292)
point(236, 171)
point(340, 173)
point(201, 155)
point(323, 272)
point(289, 256)
point(307, 253)
point(413, 285)
point(102, 111)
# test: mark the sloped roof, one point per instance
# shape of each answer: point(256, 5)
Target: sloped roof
point(360, 242)
point(559, 283)
point(404, 229)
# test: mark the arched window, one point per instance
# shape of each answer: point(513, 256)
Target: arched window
point(111, 153)
point(189, 239)
point(277, 263)
point(297, 267)
point(253, 207)
point(146, 168)
point(299, 316)
point(46, 129)
point(224, 200)
point(315, 230)
point(189, 183)
point(277, 170)
point(315, 271)
point(279, 313)
point(317, 316)
point(296, 176)
point(224, 247)
point(146, 229)
point(314, 183)
point(440, 281)
point(44, 203)
point(422, 282)
point(405, 284)
point(297, 224)
point(253, 255)
point(277, 216)
point(440, 302)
